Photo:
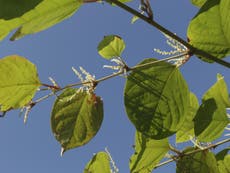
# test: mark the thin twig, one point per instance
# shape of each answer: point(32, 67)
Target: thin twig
point(193, 152)
point(192, 49)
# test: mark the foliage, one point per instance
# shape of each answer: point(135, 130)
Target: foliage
point(157, 98)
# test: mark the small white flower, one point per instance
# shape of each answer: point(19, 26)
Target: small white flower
point(88, 81)
point(121, 66)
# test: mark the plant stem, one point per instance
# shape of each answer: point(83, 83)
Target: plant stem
point(192, 49)
point(194, 151)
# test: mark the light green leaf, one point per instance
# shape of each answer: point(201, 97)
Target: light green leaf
point(111, 46)
point(219, 91)
point(33, 16)
point(148, 153)
point(135, 18)
point(223, 161)
point(187, 129)
point(76, 118)
point(209, 30)
point(19, 82)
point(201, 162)
point(224, 165)
point(211, 117)
point(100, 163)
point(198, 3)
point(156, 99)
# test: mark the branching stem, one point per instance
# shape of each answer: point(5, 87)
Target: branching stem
point(192, 49)
point(212, 146)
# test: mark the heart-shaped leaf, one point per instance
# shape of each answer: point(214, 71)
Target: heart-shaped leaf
point(76, 118)
point(209, 30)
point(19, 82)
point(156, 99)
point(111, 46)
point(211, 117)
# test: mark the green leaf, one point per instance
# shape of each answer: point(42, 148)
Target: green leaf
point(201, 162)
point(198, 3)
point(100, 163)
point(111, 46)
point(76, 118)
point(156, 99)
point(209, 30)
point(34, 16)
point(19, 82)
point(187, 129)
point(219, 91)
point(211, 118)
point(223, 161)
point(148, 153)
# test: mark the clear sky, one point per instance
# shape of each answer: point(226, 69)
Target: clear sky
point(32, 147)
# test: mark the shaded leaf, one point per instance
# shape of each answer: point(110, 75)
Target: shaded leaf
point(201, 162)
point(223, 161)
point(34, 16)
point(76, 118)
point(148, 153)
point(100, 163)
point(211, 117)
point(198, 3)
point(111, 46)
point(19, 82)
point(209, 30)
point(187, 129)
point(156, 99)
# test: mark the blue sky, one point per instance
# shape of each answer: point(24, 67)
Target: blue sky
point(32, 147)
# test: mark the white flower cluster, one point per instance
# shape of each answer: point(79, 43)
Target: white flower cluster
point(120, 67)
point(178, 49)
point(88, 82)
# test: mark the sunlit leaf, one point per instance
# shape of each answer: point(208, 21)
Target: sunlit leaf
point(187, 129)
point(201, 162)
point(33, 16)
point(156, 99)
point(148, 153)
point(211, 117)
point(219, 91)
point(76, 118)
point(19, 82)
point(209, 30)
point(223, 161)
point(198, 3)
point(111, 46)
point(100, 163)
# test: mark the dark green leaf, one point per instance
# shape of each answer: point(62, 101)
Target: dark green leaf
point(187, 129)
point(19, 82)
point(201, 162)
point(211, 117)
point(111, 46)
point(100, 163)
point(76, 118)
point(156, 99)
point(148, 153)
point(209, 30)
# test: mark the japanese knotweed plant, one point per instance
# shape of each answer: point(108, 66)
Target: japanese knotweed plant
point(157, 99)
